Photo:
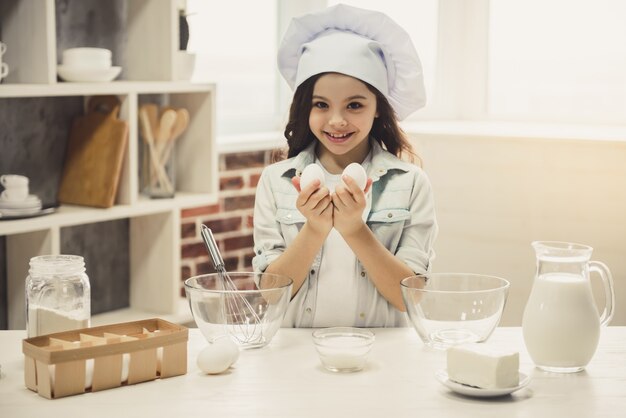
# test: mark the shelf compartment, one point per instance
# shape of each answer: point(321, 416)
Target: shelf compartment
point(28, 30)
point(144, 38)
point(154, 277)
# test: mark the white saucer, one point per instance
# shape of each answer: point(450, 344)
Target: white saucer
point(32, 201)
point(467, 390)
point(88, 74)
point(20, 212)
point(31, 214)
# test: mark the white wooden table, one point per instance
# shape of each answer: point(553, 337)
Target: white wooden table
point(285, 379)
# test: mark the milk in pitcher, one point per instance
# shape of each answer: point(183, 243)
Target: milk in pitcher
point(561, 324)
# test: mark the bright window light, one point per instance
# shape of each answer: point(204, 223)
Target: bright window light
point(558, 60)
point(235, 45)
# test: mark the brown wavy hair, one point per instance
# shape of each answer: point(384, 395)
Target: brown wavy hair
point(385, 129)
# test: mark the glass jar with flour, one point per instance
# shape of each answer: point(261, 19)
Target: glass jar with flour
point(58, 295)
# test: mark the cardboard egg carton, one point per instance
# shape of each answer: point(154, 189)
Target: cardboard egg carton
point(93, 359)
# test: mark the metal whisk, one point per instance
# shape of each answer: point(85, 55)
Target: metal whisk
point(236, 308)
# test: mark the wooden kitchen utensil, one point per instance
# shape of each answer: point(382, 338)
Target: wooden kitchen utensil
point(182, 121)
point(157, 174)
point(166, 123)
point(152, 111)
point(94, 155)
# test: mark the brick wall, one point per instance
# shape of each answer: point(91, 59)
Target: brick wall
point(230, 219)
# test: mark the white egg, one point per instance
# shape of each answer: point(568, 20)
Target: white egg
point(218, 356)
point(310, 173)
point(125, 366)
point(232, 347)
point(357, 173)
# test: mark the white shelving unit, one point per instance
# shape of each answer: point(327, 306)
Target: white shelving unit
point(154, 224)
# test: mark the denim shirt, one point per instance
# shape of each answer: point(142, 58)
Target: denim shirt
point(399, 210)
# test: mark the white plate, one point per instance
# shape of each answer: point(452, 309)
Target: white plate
point(43, 211)
point(32, 201)
point(88, 74)
point(442, 376)
point(20, 212)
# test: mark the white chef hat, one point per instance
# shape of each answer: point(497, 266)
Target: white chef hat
point(361, 43)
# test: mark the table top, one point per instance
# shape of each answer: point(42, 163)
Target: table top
point(285, 379)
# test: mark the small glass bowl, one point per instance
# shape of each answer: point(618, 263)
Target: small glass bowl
point(343, 349)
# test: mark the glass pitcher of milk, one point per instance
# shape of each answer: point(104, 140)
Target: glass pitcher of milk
point(561, 324)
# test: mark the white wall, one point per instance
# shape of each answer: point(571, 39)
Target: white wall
point(495, 195)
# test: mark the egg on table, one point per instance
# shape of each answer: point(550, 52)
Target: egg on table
point(357, 173)
point(311, 172)
point(218, 356)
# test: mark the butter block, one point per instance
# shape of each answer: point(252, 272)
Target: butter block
point(483, 366)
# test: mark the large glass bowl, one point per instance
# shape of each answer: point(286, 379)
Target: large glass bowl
point(249, 315)
point(447, 309)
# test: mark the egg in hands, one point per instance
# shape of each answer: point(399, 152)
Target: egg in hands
point(311, 173)
point(357, 173)
point(314, 172)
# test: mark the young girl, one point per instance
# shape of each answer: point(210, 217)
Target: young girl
point(355, 73)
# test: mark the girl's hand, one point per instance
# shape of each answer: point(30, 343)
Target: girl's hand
point(349, 204)
point(315, 204)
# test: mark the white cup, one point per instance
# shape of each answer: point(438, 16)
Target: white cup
point(13, 180)
point(15, 187)
point(4, 67)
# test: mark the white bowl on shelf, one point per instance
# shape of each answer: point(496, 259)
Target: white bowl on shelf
point(185, 65)
point(80, 74)
point(87, 57)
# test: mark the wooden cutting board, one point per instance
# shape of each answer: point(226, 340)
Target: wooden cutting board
point(94, 155)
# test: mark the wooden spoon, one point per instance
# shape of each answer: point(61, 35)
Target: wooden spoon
point(149, 139)
point(166, 123)
point(152, 111)
point(181, 124)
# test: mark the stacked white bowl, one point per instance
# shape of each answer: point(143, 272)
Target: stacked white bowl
point(87, 64)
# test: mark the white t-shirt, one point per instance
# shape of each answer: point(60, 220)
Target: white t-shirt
point(337, 287)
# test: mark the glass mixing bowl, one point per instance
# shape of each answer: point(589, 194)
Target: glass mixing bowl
point(249, 311)
point(454, 308)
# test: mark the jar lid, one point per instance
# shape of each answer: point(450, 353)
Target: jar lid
point(57, 264)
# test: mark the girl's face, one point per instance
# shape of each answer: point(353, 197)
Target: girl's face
point(341, 117)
